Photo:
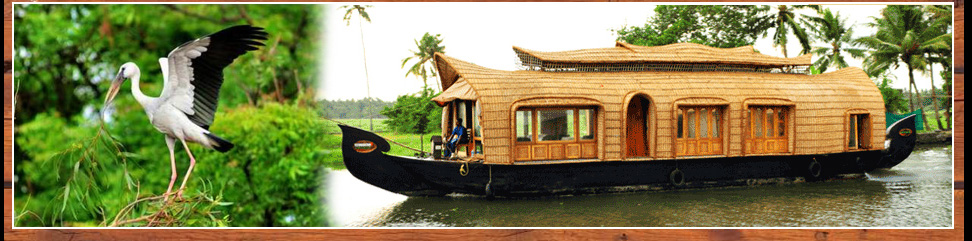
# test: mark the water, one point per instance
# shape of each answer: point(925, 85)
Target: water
point(916, 193)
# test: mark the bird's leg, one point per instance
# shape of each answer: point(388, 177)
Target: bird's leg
point(192, 163)
point(171, 144)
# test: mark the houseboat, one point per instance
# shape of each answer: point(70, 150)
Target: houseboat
point(634, 118)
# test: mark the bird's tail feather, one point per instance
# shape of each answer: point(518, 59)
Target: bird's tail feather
point(219, 144)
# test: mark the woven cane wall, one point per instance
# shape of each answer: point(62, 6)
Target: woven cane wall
point(821, 103)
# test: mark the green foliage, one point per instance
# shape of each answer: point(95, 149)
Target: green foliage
point(275, 171)
point(364, 124)
point(712, 25)
point(79, 160)
point(346, 109)
point(814, 70)
point(947, 87)
point(75, 174)
point(415, 114)
point(360, 9)
point(905, 34)
point(427, 47)
point(271, 178)
point(833, 30)
point(894, 100)
point(81, 176)
point(65, 52)
point(786, 21)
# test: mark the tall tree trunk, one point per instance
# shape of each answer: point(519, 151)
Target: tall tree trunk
point(911, 77)
point(911, 98)
point(948, 114)
point(938, 118)
point(950, 95)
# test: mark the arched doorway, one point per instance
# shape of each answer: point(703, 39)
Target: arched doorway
point(636, 141)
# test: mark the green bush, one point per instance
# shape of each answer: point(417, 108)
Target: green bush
point(894, 100)
point(415, 114)
point(271, 178)
point(71, 167)
point(274, 173)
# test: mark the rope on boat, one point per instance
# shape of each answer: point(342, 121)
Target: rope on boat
point(382, 137)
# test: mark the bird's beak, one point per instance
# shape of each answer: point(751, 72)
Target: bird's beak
point(115, 85)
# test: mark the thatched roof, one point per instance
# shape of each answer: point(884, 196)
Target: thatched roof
point(626, 57)
point(460, 90)
point(679, 53)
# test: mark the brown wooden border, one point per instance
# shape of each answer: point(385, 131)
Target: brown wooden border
point(958, 233)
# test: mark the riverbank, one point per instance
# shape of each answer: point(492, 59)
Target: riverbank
point(938, 137)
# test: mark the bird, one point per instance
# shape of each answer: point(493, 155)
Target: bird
point(192, 75)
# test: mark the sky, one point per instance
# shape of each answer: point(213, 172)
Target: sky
point(484, 34)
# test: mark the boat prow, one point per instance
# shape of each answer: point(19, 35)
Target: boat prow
point(900, 142)
point(364, 156)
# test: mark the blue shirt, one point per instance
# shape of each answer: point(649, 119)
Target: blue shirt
point(459, 131)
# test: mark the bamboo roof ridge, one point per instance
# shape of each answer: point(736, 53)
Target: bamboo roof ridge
point(678, 56)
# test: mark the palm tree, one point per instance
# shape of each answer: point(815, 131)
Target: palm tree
point(785, 21)
point(904, 36)
point(941, 13)
point(362, 16)
point(427, 47)
point(831, 29)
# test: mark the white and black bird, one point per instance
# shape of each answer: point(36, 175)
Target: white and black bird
point(192, 76)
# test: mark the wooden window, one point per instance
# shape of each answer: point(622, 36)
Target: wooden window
point(556, 125)
point(858, 131)
point(555, 133)
point(477, 129)
point(477, 114)
point(524, 126)
point(698, 130)
point(586, 124)
point(767, 129)
point(461, 111)
point(680, 124)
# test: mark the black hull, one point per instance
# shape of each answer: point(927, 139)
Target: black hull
point(901, 138)
point(428, 177)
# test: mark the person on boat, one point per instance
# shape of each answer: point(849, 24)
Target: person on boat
point(457, 134)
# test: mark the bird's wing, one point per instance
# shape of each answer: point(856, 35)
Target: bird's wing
point(164, 63)
point(195, 70)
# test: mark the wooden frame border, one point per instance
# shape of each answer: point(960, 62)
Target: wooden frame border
point(958, 233)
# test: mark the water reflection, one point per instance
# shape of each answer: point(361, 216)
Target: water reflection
point(918, 193)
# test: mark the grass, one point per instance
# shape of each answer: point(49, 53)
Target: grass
point(379, 124)
point(930, 115)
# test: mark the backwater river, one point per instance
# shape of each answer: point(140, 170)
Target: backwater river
point(916, 193)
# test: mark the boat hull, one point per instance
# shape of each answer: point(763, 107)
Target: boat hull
point(430, 177)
